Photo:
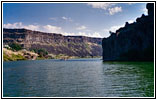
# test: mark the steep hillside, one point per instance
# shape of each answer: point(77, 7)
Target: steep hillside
point(56, 44)
point(134, 42)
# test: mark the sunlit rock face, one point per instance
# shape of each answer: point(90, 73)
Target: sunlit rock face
point(80, 46)
point(133, 42)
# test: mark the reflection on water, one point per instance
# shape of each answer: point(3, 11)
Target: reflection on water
point(131, 78)
point(78, 78)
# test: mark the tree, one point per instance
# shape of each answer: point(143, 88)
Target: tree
point(41, 52)
point(15, 46)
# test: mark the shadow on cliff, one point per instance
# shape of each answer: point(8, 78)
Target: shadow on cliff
point(133, 42)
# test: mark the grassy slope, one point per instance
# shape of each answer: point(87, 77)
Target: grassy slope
point(12, 57)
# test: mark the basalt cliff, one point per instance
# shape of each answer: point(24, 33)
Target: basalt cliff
point(79, 46)
point(133, 42)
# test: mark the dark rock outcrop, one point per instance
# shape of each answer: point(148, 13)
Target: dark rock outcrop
point(133, 42)
point(80, 46)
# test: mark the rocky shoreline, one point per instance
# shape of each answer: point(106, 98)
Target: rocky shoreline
point(10, 55)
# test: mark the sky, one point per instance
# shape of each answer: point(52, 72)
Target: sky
point(87, 19)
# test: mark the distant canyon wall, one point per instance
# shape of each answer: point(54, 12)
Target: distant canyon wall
point(80, 46)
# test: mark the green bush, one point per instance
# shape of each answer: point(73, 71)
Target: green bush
point(15, 46)
point(41, 52)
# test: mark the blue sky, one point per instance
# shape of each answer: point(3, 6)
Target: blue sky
point(88, 19)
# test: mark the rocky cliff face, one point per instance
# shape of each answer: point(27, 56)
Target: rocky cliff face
point(80, 46)
point(134, 42)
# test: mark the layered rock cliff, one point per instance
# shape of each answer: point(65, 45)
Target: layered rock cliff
point(133, 42)
point(56, 44)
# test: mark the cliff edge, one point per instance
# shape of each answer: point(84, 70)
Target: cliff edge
point(56, 44)
point(133, 42)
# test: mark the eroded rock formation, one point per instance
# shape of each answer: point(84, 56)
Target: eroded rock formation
point(80, 46)
point(133, 42)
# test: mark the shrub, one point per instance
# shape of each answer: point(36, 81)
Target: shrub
point(41, 52)
point(15, 46)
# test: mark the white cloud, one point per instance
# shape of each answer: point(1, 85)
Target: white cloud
point(52, 29)
point(14, 25)
point(109, 7)
point(112, 29)
point(131, 21)
point(145, 11)
point(67, 18)
point(101, 5)
point(81, 27)
point(20, 25)
point(45, 28)
point(32, 27)
point(53, 18)
point(94, 34)
point(114, 10)
point(62, 18)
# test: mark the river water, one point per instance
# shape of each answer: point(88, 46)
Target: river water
point(78, 78)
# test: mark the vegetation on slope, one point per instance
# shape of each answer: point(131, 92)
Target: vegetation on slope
point(9, 55)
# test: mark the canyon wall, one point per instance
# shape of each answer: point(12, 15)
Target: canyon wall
point(56, 44)
point(133, 42)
